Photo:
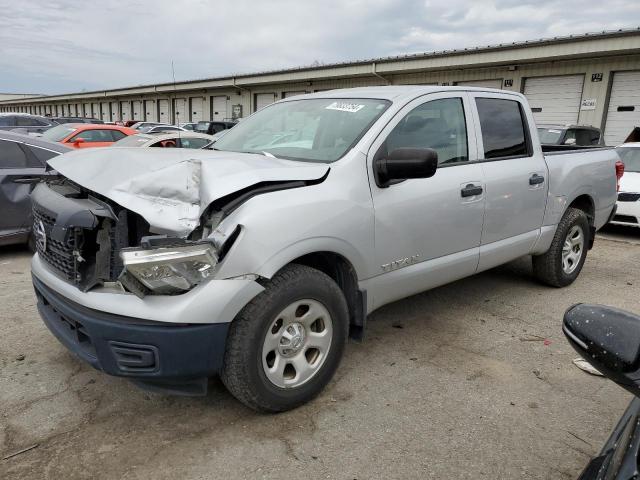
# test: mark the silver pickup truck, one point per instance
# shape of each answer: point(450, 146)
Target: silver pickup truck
point(257, 259)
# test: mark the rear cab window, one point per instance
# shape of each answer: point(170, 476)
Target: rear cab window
point(504, 128)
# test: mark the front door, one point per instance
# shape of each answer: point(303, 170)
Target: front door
point(427, 231)
point(516, 177)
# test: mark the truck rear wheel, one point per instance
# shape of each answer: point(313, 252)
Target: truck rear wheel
point(286, 344)
point(561, 264)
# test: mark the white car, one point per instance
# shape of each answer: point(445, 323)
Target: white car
point(628, 212)
point(167, 140)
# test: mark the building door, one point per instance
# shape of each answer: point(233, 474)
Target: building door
point(137, 111)
point(180, 110)
point(219, 108)
point(114, 111)
point(197, 109)
point(554, 100)
point(106, 115)
point(125, 111)
point(150, 111)
point(163, 111)
point(624, 107)
point(293, 94)
point(263, 99)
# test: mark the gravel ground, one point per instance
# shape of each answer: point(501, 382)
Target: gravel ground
point(453, 383)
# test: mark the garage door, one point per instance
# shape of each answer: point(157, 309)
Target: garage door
point(218, 108)
point(292, 94)
point(554, 100)
point(95, 110)
point(624, 107)
point(197, 109)
point(125, 111)
point(163, 110)
point(492, 83)
point(114, 111)
point(180, 110)
point(150, 111)
point(137, 110)
point(106, 115)
point(263, 99)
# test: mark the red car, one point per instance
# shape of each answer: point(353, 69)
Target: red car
point(84, 135)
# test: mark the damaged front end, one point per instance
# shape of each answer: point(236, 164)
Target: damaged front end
point(89, 240)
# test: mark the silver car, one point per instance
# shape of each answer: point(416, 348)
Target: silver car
point(258, 259)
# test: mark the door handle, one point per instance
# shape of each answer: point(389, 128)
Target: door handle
point(27, 180)
point(536, 179)
point(471, 190)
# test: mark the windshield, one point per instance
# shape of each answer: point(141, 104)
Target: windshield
point(132, 141)
point(630, 157)
point(312, 130)
point(58, 133)
point(549, 136)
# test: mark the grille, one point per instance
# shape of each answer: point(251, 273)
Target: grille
point(58, 255)
point(628, 197)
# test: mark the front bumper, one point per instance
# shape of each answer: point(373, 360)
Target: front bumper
point(628, 213)
point(175, 358)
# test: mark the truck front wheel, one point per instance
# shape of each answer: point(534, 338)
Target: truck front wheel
point(286, 344)
point(561, 264)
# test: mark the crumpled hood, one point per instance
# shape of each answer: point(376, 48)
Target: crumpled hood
point(170, 188)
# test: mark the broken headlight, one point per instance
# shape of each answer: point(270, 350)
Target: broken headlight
point(169, 270)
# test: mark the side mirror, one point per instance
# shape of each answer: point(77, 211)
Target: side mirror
point(609, 339)
point(570, 141)
point(78, 141)
point(405, 163)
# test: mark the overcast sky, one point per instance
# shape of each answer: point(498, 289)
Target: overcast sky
point(62, 46)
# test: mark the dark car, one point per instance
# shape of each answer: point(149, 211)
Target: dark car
point(22, 164)
point(609, 339)
point(575, 135)
point(213, 127)
point(61, 120)
point(25, 123)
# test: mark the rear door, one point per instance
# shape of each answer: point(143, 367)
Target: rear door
point(20, 170)
point(515, 173)
point(427, 231)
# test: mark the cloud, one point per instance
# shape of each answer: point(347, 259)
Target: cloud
point(70, 45)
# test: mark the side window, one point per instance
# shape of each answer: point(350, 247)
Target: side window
point(439, 125)
point(503, 128)
point(93, 136)
point(11, 155)
point(583, 137)
point(595, 137)
point(41, 154)
point(27, 122)
point(117, 135)
point(570, 137)
point(7, 121)
point(193, 142)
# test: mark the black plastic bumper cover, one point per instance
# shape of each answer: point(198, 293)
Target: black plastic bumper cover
point(172, 357)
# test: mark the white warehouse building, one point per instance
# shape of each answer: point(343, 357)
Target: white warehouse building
point(590, 79)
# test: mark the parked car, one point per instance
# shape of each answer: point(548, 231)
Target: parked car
point(167, 140)
point(86, 135)
point(609, 339)
point(22, 164)
point(628, 205)
point(213, 127)
point(161, 129)
point(573, 135)
point(63, 120)
point(25, 123)
point(257, 259)
point(141, 125)
point(191, 126)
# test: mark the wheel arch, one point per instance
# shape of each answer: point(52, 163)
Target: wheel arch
point(586, 203)
point(342, 271)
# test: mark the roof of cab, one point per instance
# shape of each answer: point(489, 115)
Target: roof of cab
point(394, 92)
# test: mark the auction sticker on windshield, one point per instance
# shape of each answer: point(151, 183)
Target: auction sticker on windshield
point(345, 107)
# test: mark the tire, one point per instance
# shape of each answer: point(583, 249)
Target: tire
point(269, 376)
point(551, 267)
